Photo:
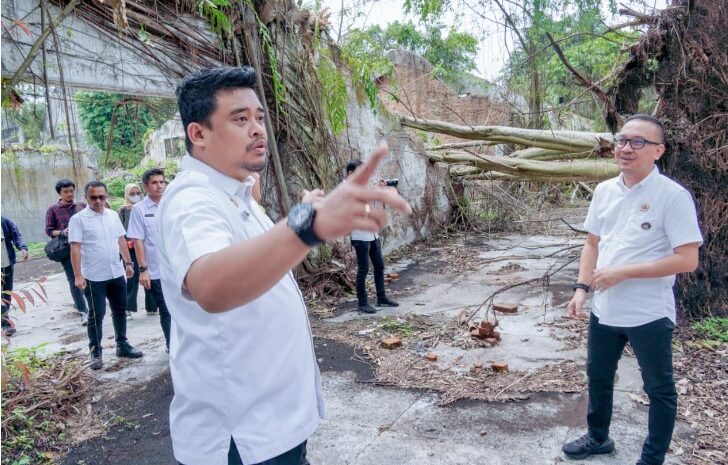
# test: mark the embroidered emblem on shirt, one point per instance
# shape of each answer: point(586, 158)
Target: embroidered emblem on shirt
point(646, 226)
point(644, 207)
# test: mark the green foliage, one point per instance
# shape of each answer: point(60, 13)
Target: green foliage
point(364, 51)
point(213, 11)
point(713, 328)
point(397, 326)
point(33, 430)
point(31, 117)
point(365, 58)
point(115, 186)
point(449, 55)
point(35, 249)
point(134, 117)
point(333, 90)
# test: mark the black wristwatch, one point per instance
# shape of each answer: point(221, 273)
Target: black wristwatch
point(300, 219)
point(582, 286)
point(142, 269)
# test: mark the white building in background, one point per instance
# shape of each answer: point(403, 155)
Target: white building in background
point(167, 142)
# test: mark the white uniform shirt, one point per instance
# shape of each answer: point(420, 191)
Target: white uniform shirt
point(360, 235)
point(143, 225)
point(99, 235)
point(637, 225)
point(250, 372)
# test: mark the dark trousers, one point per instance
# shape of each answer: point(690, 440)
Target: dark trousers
point(652, 344)
point(7, 285)
point(365, 251)
point(96, 293)
point(132, 285)
point(164, 318)
point(76, 293)
point(295, 456)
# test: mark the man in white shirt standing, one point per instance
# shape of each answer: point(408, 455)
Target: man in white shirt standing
point(143, 229)
point(642, 231)
point(368, 246)
point(246, 382)
point(97, 238)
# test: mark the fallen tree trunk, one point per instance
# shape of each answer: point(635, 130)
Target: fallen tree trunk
point(569, 170)
point(535, 153)
point(565, 141)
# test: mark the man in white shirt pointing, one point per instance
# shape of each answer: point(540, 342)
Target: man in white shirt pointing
point(246, 382)
point(642, 231)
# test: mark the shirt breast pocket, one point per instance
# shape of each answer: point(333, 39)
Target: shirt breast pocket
point(91, 235)
point(150, 226)
point(645, 227)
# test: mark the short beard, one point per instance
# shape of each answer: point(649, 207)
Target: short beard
point(257, 167)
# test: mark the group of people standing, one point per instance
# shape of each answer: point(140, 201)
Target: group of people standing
point(110, 255)
point(247, 392)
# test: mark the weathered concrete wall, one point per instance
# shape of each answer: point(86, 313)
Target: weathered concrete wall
point(91, 59)
point(420, 182)
point(28, 186)
point(166, 142)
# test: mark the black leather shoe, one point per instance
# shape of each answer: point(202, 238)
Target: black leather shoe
point(8, 330)
point(96, 361)
point(366, 308)
point(386, 302)
point(126, 350)
point(585, 446)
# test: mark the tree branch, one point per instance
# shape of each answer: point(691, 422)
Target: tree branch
point(613, 118)
point(37, 45)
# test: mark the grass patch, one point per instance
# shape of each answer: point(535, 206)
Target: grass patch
point(397, 327)
point(35, 249)
point(713, 328)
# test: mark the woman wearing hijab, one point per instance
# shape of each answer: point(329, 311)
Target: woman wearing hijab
point(132, 195)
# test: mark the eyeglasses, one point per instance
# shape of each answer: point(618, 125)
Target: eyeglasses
point(635, 142)
point(97, 197)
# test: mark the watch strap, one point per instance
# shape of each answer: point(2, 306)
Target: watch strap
point(582, 286)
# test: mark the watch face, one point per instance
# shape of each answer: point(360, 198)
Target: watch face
point(300, 215)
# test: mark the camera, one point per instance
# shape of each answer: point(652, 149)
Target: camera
point(391, 182)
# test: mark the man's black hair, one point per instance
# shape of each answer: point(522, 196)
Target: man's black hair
point(649, 119)
point(196, 93)
point(63, 183)
point(151, 172)
point(94, 184)
point(353, 165)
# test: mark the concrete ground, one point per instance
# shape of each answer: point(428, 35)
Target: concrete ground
point(369, 424)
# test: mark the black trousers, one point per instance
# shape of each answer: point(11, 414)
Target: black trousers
point(652, 344)
point(295, 456)
point(76, 293)
point(7, 285)
point(132, 284)
point(96, 293)
point(164, 317)
point(365, 251)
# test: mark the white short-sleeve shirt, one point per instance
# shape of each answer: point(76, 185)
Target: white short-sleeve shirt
point(636, 225)
point(250, 372)
point(143, 225)
point(99, 235)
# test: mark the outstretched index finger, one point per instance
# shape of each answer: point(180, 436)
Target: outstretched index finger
point(363, 174)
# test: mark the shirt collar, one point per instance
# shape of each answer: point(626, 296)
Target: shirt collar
point(90, 212)
point(226, 183)
point(148, 202)
point(640, 185)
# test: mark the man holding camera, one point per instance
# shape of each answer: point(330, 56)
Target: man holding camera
point(368, 247)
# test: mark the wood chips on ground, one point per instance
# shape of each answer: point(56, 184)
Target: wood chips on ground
point(406, 367)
